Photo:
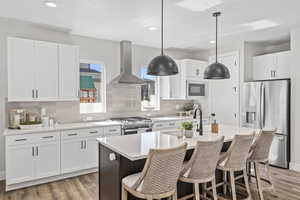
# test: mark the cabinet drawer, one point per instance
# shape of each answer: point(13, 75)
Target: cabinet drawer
point(47, 137)
point(71, 134)
point(20, 139)
point(112, 130)
point(94, 132)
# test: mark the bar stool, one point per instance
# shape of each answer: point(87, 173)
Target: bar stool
point(201, 168)
point(234, 160)
point(259, 153)
point(159, 176)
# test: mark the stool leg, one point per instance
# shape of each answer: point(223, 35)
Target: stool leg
point(258, 181)
point(214, 188)
point(268, 172)
point(124, 193)
point(196, 191)
point(232, 183)
point(247, 183)
point(204, 186)
point(174, 197)
point(225, 182)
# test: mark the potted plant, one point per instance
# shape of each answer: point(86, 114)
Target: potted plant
point(188, 129)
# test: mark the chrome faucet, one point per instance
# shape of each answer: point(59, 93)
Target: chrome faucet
point(200, 125)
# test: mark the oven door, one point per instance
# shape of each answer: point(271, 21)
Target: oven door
point(136, 131)
point(196, 89)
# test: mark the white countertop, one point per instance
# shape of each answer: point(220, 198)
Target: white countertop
point(61, 127)
point(171, 118)
point(135, 147)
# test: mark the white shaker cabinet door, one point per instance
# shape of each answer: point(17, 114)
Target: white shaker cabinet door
point(20, 164)
point(68, 72)
point(91, 153)
point(47, 159)
point(46, 70)
point(71, 155)
point(21, 69)
point(283, 65)
point(264, 67)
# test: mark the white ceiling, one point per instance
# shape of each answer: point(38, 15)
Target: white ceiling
point(187, 29)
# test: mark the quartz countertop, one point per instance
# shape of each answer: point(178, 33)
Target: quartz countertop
point(61, 127)
point(135, 147)
point(171, 118)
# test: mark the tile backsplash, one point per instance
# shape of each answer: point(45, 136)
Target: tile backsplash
point(122, 101)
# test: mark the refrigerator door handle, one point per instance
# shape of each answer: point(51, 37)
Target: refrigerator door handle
point(260, 105)
point(263, 105)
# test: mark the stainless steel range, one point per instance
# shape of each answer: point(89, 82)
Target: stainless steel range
point(134, 125)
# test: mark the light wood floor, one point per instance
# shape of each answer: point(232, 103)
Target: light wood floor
point(286, 185)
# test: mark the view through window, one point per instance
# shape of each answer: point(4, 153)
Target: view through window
point(92, 87)
point(150, 91)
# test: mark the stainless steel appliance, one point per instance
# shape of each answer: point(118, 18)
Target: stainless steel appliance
point(134, 125)
point(266, 105)
point(195, 89)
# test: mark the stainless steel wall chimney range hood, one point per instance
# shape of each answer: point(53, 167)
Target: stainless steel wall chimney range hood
point(126, 76)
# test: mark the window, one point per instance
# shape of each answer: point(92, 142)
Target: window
point(150, 91)
point(92, 87)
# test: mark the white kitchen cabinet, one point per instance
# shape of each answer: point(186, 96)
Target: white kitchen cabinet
point(174, 87)
point(46, 71)
point(68, 72)
point(194, 68)
point(31, 157)
point(42, 71)
point(272, 66)
point(21, 70)
point(91, 153)
point(71, 155)
point(47, 159)
point(20, 164)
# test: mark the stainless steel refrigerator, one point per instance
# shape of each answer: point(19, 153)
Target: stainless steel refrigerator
point(266, 105)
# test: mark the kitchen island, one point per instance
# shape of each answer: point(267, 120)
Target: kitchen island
point(121, 156)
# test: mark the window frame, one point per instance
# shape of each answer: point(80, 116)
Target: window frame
point(103, 85)
point(157, 94)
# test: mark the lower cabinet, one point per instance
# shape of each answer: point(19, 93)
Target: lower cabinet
point(32, 157)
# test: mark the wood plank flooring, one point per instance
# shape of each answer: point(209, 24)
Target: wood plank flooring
point(286, 187)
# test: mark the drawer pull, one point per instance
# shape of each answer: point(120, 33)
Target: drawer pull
point(112, 130)
point(172, 124)
point(159, 125)
point(20, 140)
point(72, 134)
point(93, 132)
point(47, 137)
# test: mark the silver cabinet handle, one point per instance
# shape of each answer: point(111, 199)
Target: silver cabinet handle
point(47, 137)
point(20, 140)
point(85, 144)
point(32, 151)
point(93, 132)
point(172, 124)
point(112, 130)
point(37, 151)
point(72, 134)
point(81, 144)
point(32, 93)
point(36, 94)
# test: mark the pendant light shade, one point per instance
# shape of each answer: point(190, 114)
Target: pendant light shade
point(216, 70)
point(162, 65)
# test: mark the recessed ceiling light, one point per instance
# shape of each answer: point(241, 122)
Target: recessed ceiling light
point(199, 5)
point(261, 24)
point(153, 28)
point(50, 4)
point(212, 41)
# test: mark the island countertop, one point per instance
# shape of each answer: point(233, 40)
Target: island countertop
point(137, 146)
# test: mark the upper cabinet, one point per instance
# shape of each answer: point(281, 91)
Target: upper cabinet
point(272, 66)
point(68, 72)
point(174, 87)
point(42, 71)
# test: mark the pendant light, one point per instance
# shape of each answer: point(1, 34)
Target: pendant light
point(162, 65)
point(216, 70)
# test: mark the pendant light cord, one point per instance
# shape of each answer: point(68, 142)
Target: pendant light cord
point(216, 38)
point(162, 27)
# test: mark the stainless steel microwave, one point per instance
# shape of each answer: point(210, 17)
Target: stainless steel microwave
point(195, 89)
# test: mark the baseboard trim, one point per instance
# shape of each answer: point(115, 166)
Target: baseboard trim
point(2, 175)
point(49, 179)
point(295, 166)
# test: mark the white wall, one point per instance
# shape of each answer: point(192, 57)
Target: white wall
point(295, 100)
point(92, 49)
